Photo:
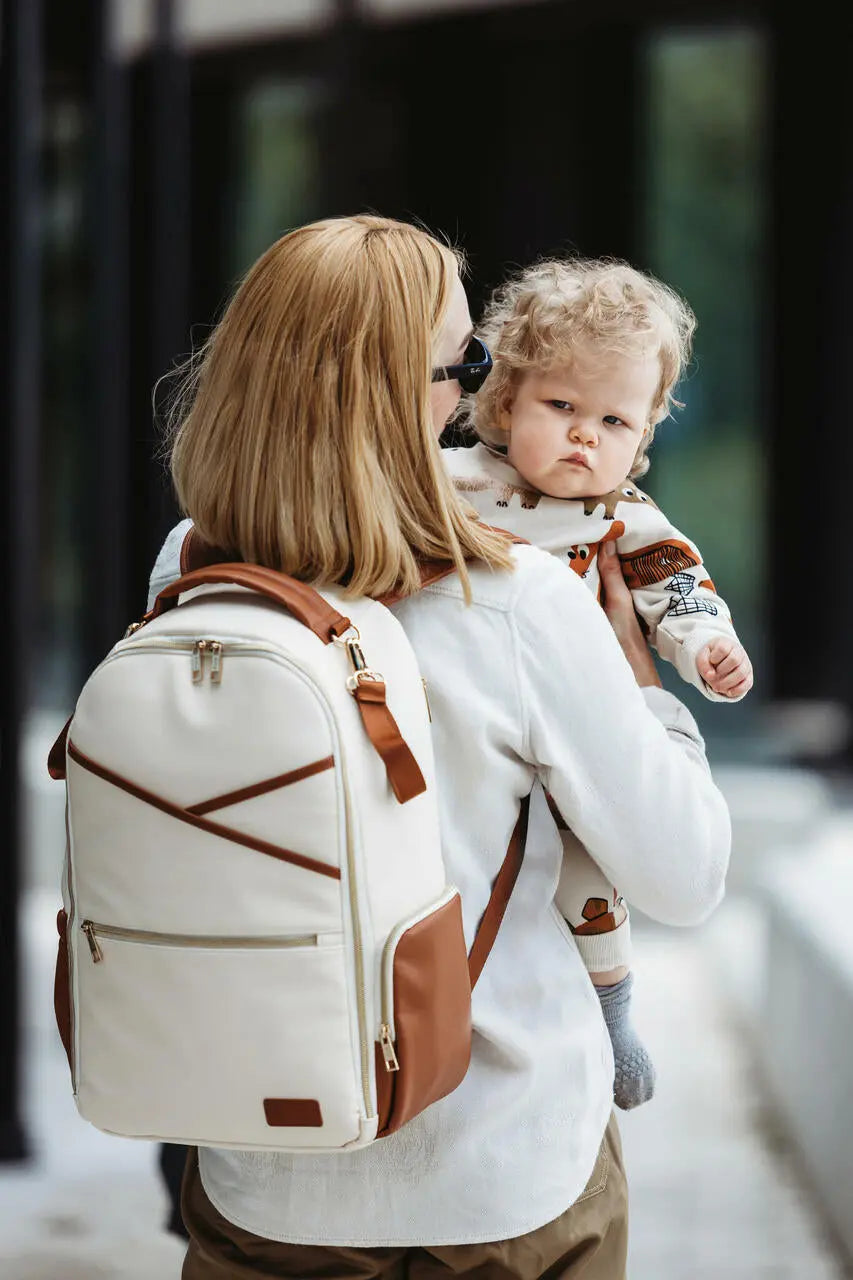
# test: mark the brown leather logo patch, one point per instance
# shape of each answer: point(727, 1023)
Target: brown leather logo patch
point(296, 1113)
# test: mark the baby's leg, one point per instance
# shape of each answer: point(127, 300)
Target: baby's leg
point(599, 921)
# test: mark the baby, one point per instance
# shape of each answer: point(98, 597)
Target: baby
point(587, 354)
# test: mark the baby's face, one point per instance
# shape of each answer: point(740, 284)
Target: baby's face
point(574, 432)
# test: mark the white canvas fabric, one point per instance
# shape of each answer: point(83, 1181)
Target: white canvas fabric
point(239, 876)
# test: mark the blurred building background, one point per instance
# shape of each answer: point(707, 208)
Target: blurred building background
point(151, 149)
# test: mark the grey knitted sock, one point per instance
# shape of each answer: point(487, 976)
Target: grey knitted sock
point(634, 1082)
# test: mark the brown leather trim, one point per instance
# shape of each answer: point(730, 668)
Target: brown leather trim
point(306, 604)
point(213, 828)
point(197, 554)
point(293, 1113)
point(62, 986)
point(431, 571)
point(490, 921)
point(56, 756)
point(432, 1015)
point(401, 766)
point(261, 788)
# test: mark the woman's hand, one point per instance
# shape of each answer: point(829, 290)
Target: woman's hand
point(619, 607)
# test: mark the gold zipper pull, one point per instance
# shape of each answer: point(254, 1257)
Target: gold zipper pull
point(426, 699)
point(391, 1062)
point(197, 667)
point(89, 930)
point(215, 661)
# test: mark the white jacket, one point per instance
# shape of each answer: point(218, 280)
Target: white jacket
point(528, 688)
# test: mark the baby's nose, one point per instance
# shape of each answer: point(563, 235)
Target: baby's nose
point(583, 431)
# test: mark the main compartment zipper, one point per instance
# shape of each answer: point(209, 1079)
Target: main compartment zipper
point(93, 931)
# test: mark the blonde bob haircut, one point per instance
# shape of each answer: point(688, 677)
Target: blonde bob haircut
point(301, 433)
point(542, 316)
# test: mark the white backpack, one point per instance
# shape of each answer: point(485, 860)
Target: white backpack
point(258, 946)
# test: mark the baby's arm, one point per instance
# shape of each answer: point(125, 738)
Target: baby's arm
point(688, 623)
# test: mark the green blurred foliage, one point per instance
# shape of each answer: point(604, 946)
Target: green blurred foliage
point(705, 153)
point(278, 163)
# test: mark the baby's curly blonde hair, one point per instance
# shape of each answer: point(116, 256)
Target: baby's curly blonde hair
point(541, 316)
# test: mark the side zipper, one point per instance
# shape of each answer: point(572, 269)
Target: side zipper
point(387, 1036)
point(93, 931)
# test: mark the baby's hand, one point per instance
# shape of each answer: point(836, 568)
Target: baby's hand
point(724, 665)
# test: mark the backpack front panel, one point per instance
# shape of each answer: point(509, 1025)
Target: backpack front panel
point(211, 945)
point(244, 954)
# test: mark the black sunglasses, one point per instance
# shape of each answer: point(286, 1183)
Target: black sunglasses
point(472, 373)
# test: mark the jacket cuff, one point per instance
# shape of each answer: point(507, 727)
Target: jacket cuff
point(672, 713)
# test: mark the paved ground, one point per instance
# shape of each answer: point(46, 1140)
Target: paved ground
point(713, 1191)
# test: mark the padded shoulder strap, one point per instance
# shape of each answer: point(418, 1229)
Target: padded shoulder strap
point(198, 554)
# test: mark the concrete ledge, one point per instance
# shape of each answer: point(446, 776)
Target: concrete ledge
point(804, 1031)
point(772, 807)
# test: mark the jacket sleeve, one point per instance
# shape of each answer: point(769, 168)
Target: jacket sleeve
point(626, 767)
point(674, 594)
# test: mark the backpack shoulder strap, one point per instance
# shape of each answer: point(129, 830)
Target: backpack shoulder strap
point(198, 554)
point(504, 883)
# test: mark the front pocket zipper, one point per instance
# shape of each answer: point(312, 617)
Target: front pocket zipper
point(93, 930)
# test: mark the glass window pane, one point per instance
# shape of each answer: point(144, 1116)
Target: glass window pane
point(278, 165)
point(703, 228)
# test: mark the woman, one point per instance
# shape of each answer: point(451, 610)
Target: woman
point(308, 440)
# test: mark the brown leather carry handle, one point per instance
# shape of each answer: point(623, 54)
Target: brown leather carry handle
point(490, 921)
point(309, 608)
point(306, 604)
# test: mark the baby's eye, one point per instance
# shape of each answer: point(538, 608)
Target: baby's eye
point(613, 421)
point(560, 404)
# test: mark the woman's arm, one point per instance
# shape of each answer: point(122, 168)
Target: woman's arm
point(626, 766)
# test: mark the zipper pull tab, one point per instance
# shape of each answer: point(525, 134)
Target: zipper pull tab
point(391, 1062)
point(426, 699)
point(197, 668)
point(89, 930)
point(215, 661)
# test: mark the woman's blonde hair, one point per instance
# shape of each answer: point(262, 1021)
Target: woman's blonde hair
point(542, 316)
point(301, 434)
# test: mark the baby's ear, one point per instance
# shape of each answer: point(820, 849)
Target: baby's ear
point(504, 408)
